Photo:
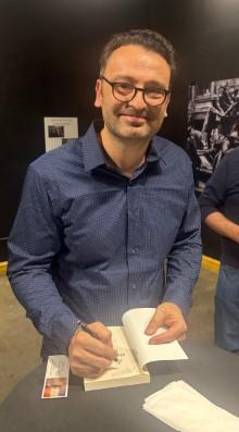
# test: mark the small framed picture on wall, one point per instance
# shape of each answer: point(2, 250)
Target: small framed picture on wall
point(58, 129)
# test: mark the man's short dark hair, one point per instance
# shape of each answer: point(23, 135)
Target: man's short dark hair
point(149, 39)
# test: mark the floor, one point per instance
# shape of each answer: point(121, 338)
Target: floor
point(20, 342)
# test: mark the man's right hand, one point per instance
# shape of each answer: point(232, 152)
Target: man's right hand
point(90, 353)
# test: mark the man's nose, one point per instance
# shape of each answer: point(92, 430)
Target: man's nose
point(138, 100)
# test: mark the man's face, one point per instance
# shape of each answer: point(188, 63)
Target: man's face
point(142, 68)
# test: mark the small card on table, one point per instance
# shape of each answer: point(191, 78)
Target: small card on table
point(56, 381)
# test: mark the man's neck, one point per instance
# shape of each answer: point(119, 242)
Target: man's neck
point(126, 155)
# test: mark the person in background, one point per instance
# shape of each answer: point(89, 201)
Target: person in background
point(100, 216)
point(220, 211)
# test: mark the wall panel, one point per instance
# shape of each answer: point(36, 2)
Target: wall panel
point(49, 53)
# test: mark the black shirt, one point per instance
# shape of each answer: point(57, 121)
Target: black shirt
point(222, 194)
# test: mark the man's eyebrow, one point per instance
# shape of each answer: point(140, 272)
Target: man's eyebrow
point(130, 79)
point(123, 78)
point(156, 84)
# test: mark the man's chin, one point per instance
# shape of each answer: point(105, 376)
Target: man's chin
point(132, 135)
point(130, 132)
point(136, 132)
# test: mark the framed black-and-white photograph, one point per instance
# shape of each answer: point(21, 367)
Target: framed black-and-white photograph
point(56, 131)
point(213, 125)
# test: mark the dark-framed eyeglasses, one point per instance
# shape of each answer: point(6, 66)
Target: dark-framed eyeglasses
point(123, 91)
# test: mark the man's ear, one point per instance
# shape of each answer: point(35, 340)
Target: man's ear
point(168, 100)
point(166, 106)
point(98, 93)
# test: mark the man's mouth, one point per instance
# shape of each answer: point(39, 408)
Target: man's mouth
point(138, 118)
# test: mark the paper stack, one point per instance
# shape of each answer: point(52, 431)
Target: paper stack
point(183, 408)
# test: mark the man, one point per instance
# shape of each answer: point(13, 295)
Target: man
point(100, 216)
point(220, 211)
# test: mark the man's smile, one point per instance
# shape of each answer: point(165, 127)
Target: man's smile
point(134, 117)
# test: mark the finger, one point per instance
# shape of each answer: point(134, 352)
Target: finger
point(100, 349)
point(177, 330)
point(101, 332)
point(156, 321)
point(89, 343)
point(89, 359)
point(181, 338)
point(85, 371)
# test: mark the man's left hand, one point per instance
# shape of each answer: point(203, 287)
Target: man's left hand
point(169, 316)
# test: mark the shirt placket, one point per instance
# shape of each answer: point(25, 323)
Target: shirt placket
point(133, 246)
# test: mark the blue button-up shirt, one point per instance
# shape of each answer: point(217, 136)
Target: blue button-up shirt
point(89, 243)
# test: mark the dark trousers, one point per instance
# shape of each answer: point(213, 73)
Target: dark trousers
point(227, 309)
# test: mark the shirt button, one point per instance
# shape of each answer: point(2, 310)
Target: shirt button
point(134, 251)
point(133, 287)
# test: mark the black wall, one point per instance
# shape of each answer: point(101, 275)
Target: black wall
point(49, 52)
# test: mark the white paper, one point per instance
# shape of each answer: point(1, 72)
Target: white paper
point(183, 408)
point(57, 129)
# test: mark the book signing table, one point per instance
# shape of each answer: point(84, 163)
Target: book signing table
point(209, 370)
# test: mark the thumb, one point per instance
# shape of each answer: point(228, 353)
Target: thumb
point(155, 322)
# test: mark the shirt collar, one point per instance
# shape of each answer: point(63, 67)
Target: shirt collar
point(93, 154)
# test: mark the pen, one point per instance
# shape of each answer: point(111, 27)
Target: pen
point(84, 326)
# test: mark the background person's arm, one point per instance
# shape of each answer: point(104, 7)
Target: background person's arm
point(213, 199)
point(223, 226)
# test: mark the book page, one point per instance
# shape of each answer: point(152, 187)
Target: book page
point(135, 321)
point(126, 364)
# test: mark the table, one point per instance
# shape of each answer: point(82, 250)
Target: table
point(210, 370)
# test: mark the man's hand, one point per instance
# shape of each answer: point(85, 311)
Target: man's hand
point(91, 352)
point(167, 315)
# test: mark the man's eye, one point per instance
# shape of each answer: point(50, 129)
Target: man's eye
point(155, 92)
point(124, 87)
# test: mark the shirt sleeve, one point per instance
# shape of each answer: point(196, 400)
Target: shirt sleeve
point(214, 193)
point(184, 259)
point(34, 242)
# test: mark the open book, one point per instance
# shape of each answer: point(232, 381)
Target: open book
point(134, 352)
